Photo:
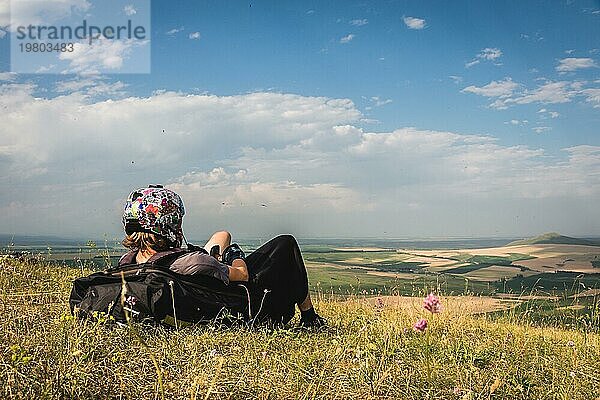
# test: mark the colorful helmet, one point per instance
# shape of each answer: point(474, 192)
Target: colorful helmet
point(155, 210)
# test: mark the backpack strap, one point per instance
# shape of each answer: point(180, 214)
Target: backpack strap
point(129, 257)
point(160, 260)
point(166, 258)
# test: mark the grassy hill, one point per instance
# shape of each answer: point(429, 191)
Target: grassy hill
point(369, 351)
point(552, 238)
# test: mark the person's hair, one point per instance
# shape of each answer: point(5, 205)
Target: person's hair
point(144, 240)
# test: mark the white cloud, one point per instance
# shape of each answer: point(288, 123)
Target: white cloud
point(217, 177)
point(102, 55)
point(194, 35)
point(74, 85)
point(549, 92)
point(574, 64)
point(509, 93)
point(175, 30)
point(38, 12)
point(541, 129)
point(45, 69)
point(537, 37)
point(500, 89)
point(348, 38)
point(7, 76)
point(487, 54)
point(4, 13)
point(414, 23)
point(378, 102)
point(546, 113)
point(268, 198)
point(456, 79)
point(2, 33)
point(490, 54)
point(359, 22)
point(15, 95)
point(129, 10)
point(592, 96)
point(92, 86)
point(517, 122)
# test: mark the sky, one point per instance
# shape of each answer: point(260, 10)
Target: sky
point(387, 119)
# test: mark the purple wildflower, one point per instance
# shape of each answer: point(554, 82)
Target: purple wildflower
point(432, 303)
point(420, 325)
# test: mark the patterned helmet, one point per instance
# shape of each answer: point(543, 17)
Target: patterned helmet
point(155, 210)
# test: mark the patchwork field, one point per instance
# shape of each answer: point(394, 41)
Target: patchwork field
point(347, 267)
point(514, 269)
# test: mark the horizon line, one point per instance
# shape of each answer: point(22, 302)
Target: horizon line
point(299, 237)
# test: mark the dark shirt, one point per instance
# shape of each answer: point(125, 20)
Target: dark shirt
point(192, 263)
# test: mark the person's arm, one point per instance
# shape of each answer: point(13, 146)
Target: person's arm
point(238, 271)
point(235, 258)
point(199, 262)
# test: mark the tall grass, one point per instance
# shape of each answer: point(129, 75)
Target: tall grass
point(369, 351)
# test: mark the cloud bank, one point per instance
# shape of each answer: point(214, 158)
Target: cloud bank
point(264, 163)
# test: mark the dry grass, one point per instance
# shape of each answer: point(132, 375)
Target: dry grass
point(370, 351)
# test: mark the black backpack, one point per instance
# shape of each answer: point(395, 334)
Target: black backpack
point(151, 292)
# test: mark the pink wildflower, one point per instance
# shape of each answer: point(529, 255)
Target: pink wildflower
point(432, 303)
point(420, 325)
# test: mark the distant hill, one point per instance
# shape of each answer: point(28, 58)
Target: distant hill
point(553, 238)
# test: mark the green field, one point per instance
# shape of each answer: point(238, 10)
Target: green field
point(386, 271)
point(356, 281)
point(347, 272)
point(555, 284)
point(570, 313)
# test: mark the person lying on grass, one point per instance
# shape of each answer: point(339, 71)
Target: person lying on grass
point(152, 220)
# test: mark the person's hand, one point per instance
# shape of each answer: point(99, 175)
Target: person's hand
point(231, 253)
point(238, 271)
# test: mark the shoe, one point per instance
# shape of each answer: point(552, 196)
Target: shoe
point(313, 322)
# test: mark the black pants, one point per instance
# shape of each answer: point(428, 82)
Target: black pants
point(278, 268)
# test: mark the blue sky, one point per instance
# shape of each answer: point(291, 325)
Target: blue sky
point(381, 118)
